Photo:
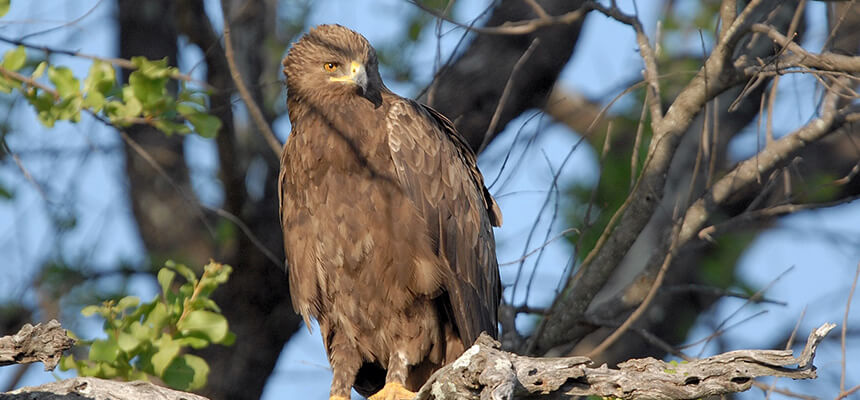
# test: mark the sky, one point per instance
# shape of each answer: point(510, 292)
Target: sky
point(815, 248)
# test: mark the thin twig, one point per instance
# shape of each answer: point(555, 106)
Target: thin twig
point(256, 114)
point(515, 27)
point(120, 62)
point(506, 93)
point(788, 345)
point(652, 292)
point(747, 218)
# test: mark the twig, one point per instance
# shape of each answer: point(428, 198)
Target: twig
point(721, 330)
point(543, 245)
point(120, 62)
point(728, 12)
point(652, 292)
point(256, 114)
point(66, 24)
point(717, 292)
point(640, 127)
point(505, 94)
point(515, 27)
point(826, 61)
point(788, 344)
point(747, 218)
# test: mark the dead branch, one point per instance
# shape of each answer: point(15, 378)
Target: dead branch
point(43, 342)
point(485, 372)
point(95, 388)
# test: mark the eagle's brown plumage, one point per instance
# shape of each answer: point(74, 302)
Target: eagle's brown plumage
point(387, 223)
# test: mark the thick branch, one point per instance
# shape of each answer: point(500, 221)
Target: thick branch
point(485, 372)
point(43, 342)
point(95, 388)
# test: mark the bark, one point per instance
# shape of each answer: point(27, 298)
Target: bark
point(485, 372)
point(485, 67)
point(43, 342)
point(95, 388)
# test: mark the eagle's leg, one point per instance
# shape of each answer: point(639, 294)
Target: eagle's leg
point(345, 362)
point(398, 368)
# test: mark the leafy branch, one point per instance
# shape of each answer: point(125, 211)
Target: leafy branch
point(145, 99)
point(151, 339)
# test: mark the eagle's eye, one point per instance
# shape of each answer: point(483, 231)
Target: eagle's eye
point(330, 66)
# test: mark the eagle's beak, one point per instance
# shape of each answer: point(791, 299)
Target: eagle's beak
point(357, 75)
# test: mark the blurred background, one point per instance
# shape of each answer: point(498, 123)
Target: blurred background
point(84, 218)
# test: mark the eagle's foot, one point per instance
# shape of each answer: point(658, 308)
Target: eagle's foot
point(337, 397)
point(393, 391)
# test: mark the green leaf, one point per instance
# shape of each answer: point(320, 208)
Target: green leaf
point(202, 303)
point(67, 362)
point(101, 78)
point(186, 372)
point(15, 59)
point(40, 69)
point(204, 124)
point(229, 339)
point(4, 7)
point(158, 317)
point(153, 69)
point(104, 350)
point(167, 351)
point(43, 103)
point(88, 311)
point(165, 279)
point(212, 325)
point(219, 273)
point(195, 342)
point(170, 127)
point(141, 332)
point(127, 302)
point(127, 342)
point(183, 270)
point(7, 85)
point(64, 80)
point(5, 193)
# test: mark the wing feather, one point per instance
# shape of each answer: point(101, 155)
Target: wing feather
point(438, 172)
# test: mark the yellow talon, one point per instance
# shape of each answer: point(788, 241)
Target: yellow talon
point(393, 391)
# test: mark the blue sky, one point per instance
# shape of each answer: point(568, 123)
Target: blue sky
point(821, 246)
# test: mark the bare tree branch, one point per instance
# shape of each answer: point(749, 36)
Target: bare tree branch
point(485, 372)
point(95, 388)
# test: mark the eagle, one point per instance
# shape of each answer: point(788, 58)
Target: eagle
point(388, 227)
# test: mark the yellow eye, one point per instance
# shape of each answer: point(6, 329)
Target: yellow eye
point(330, 67)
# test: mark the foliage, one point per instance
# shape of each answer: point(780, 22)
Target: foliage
point(152, 339)
point(145, 99)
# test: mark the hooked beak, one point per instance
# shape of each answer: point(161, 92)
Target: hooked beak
point(357, 75)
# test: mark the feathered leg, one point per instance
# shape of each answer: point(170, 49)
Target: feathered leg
point(398, 368)
point(345, 362)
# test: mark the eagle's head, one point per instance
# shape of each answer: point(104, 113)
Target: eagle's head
point(335, 64)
